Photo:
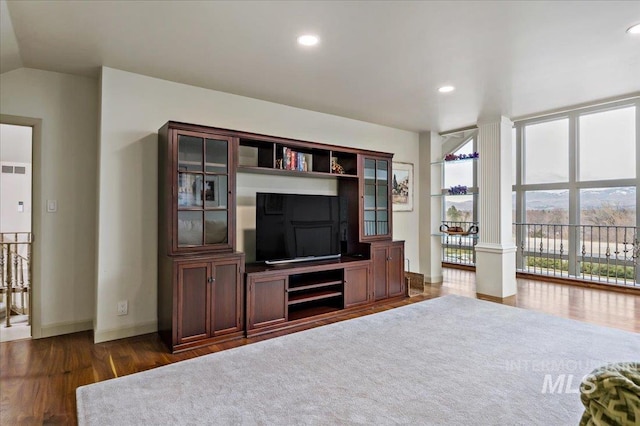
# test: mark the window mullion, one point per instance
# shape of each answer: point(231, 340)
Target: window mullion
point(574, 194)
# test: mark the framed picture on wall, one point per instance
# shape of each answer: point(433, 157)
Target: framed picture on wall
point(402, 187)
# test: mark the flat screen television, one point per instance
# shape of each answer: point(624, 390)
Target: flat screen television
point(295, 227)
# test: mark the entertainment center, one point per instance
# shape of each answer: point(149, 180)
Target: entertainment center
point(341, 247)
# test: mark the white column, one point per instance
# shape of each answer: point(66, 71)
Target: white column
point(495, 251)
point(430, 151)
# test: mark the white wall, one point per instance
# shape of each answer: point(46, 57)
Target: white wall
point(64, 248)
point(133, 108)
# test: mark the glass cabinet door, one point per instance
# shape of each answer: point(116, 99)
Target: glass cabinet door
point(376, 213)
point(202, 190)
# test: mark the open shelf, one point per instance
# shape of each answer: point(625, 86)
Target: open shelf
point(443, 234)
point(462, 160)
point(348, 162)
point(313, 286)
point(296, 298)
point(445, 193)
point(303, 159)
point(271, 171)
point(310, 311)
point(317, 285)
point(315, 279)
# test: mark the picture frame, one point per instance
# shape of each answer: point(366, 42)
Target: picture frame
point(212, 191)
point(402, 187)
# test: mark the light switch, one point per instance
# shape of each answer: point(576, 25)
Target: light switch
point(20, 206)
point(52, 206)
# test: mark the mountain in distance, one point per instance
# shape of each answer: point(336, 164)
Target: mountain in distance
point(551, 200)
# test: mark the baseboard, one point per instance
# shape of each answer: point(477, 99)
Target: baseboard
point(504, 300)
point(100, 336)
point(64, 328)
point(433, 280)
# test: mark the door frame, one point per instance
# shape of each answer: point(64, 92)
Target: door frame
point(36, 214)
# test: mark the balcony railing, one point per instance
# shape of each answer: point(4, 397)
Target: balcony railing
point(15, 273)
point(459, 248)
point(596, 253)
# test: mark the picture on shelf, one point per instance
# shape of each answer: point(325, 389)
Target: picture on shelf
point(209, 191)
point(212, 192)
point(189, 190)
point(402, 186)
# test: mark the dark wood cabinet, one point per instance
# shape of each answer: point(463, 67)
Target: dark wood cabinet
point(196, 189)
point(227, 296)
point(395, 270)
point(369, 212)
point(387, 260)
point(193, 301)
point(294, 294)
point(356, 286)
point(203, 302)
point(266, 301)
point(201, 279)
point(375, 200)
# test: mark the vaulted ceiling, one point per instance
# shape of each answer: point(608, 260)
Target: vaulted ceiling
point(377, 61)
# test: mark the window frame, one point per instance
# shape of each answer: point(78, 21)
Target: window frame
point(574, 184)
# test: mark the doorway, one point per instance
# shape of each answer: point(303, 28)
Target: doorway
point(16, 187)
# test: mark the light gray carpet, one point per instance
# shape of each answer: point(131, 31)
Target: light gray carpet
point(451, 360)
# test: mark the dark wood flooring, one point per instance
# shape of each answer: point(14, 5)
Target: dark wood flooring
point(38, 378)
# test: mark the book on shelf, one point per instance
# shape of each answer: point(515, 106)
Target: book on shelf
point(293, 160)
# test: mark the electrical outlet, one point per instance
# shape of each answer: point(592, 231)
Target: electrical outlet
point(123, 307)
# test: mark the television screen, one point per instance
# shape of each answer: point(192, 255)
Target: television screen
point(295, 227)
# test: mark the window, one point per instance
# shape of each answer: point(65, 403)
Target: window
point(580, 219)
point(547, 152)
point(460, 172)
point(608, 145)
point(608, 206)
point(460, 208)
point(547, 207)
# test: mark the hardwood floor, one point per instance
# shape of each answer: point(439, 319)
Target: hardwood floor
point(38, 378)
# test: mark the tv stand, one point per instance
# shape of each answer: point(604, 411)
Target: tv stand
point(292, 294)
point(302, 259)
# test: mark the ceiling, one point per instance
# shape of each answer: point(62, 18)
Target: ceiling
point(377, 61)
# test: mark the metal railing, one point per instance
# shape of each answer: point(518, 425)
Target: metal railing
point(459, 248)
point(596, 253)
point(15, 273)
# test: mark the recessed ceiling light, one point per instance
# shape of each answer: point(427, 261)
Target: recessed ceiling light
point(446, 89)
point(634, 29)
point(308, 40)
